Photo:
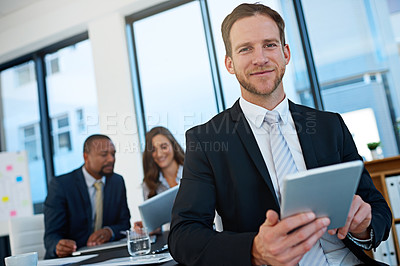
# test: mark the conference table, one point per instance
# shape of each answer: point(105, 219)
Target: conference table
point(121, 252)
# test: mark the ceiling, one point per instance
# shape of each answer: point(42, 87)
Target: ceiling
point(9, 6)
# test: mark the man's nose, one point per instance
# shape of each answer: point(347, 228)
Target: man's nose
point(260, 57)
point(110, 157)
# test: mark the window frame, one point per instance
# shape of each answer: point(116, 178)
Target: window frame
point(134, 65)
point(38, 57)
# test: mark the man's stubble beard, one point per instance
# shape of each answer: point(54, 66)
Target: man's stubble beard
point(252, 89)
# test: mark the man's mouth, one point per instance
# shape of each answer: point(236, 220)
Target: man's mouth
point(108, 167)
point(261, 72)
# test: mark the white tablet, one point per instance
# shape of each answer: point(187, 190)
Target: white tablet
point(326, 191)
point(156, 211)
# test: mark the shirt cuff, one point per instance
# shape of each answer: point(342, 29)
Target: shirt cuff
point(112, 233)
point(364, 243)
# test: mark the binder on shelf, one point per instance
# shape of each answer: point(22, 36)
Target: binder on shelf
point(382, 253)
point(393, 188)
point(386, 251)
point(391, 249)
point(398, 231)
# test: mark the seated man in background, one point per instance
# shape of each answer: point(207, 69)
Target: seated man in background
point(87, 206)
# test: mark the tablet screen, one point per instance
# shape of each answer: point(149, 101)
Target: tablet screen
point(326, 191)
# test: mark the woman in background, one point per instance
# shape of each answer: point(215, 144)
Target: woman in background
point(162, 162)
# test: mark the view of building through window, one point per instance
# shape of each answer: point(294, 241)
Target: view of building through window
point(176, 81)
point(71, 100)
point(21, 118)
point(356, 60)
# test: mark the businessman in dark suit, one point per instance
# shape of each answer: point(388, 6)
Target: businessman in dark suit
point(229, 167)
point(70, 209)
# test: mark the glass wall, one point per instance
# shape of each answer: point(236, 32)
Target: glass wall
point(72, 101)
point(20, 121)
point(175, 76)
point(67, 79)
point(358, 67)
point(353, 64)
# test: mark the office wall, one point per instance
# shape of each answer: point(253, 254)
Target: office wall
point(48, 21)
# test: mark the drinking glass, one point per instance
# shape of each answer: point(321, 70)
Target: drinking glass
point(26, 259)
point(138, 242)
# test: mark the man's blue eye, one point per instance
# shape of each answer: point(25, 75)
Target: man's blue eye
point(271, 45)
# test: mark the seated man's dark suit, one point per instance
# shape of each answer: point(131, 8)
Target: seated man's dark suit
point(68, 212)
point(224, 170)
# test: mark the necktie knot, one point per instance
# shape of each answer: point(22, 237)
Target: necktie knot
point(98, 185)
point(272, 117)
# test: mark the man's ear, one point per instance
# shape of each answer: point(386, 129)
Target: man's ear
point(85, 156)
point(229, 64)
point(286, 52)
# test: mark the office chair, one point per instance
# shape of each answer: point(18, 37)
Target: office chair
point(26, 234)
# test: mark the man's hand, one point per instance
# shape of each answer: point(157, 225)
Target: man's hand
point(358, 220)
point(285, 242)
point(65, 247)
point(139, 224)
point(99, 237)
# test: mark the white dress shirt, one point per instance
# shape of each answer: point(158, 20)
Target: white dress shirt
point(335, 251)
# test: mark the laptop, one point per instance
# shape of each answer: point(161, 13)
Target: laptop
point(106, 246)
point(156, 211)
point(327, 191)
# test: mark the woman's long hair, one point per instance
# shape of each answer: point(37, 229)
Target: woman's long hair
point(150, 168)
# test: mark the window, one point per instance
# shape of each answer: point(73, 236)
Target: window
point(32, 141)
point(24, 74)
point(357, 68)
point(64, 74)
point(80, 121)
point(176, 83)
point(61, 135)
point(20, 118)
point(54, 66)
point(71, 94)
point(347, 66)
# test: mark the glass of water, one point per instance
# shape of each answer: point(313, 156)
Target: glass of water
point(138, 242)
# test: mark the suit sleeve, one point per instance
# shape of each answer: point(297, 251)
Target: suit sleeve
point(118, 212)
point(381, 214)
point(192, 240)
point(55, 217)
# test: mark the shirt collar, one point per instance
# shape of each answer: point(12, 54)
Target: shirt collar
point(257, 113)
point(178, 177)
point(89, 179)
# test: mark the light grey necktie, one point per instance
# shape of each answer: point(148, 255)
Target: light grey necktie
point(99, 205)
point(281, 155)
point(284, 165)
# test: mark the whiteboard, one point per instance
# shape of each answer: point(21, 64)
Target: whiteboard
point(15, 189)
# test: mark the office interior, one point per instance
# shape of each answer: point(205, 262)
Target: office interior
point(72, 68)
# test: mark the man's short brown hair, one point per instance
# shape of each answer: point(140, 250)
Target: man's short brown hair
point(248, 10)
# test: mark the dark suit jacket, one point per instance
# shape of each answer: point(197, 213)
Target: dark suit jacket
point(68, 212)
point(224, 170)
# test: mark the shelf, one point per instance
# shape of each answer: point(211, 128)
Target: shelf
point(379, 170)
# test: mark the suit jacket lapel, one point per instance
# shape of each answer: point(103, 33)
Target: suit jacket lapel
point(304, 132)
point(249, 142)
point(107, 199)
point(83, 191)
